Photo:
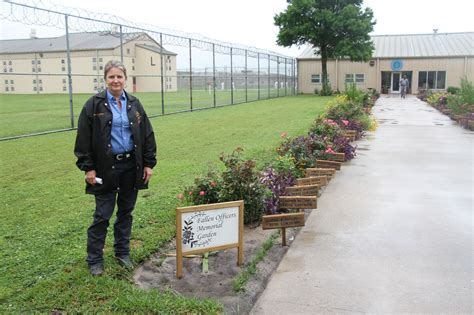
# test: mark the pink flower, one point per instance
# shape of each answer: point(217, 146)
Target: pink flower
point(329, 150)
point(180, 196)
point(283, 134)
point(202, 193)
point(345, 122)
point(213, 184)
point(190, 193)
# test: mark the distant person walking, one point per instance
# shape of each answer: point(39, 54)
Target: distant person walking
point(115, 147)
point(404, 83)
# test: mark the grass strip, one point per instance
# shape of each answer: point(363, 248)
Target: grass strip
point(241, 280)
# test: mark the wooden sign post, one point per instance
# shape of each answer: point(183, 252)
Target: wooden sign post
point(313, 180)
point(328, 172)
point(205, 228)
point(328, 164)
point(283, 221)
point(306, 190)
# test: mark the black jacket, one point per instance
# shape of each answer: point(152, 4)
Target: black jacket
point(93, 142)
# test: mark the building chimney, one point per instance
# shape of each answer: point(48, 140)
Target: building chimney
point(33, 34)
point(435, 31)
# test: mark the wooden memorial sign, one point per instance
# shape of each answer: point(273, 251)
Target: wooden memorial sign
point(313, 180)
point(206, 228)
point(283, 221)
point(350, 134)
point(298, 202)
point(305, 190)
point(339, 157)
point(328, 164)
point(328, 172)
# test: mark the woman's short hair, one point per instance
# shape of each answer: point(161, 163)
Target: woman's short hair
point(114, 64)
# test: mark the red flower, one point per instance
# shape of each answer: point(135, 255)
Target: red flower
point(190, 193)
point(213, 184)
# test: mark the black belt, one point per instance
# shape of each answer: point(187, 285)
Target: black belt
point(123, 156)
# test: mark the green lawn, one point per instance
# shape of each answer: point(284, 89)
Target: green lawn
point(45, 213)
point(24, 114)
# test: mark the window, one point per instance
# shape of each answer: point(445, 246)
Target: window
point(169, 68)
point(95, 80)
point(94, 60)
point(133, 60)
point(64, 88)
point(39, 69)
point(4, 63)
point(12, 89)
point(10, 63)
point(34, 88)
point(41, 88)
point(4, 69)
point(62, 61)
point(63, 69)
point(94, 68)
point(11, 70)
point(6, 81)
point(349, 78)
point(101, 67)
point(33, 70)
point(38, 62)
point(101, 60)
point(34, 81)
point(128, 50)
point(64, 81)
point(40, 81)
point(11, 82)
point(133, 68)
point(6, 89)
point(428, 80)
point(315, 78)
point(359, 78)
point(32, 62)
point(354, 78)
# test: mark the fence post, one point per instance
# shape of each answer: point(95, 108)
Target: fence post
point(258, 75)
point(278, 76)
point(246, 87)
point(121, 44)
point(161, 74)
point(294, 77)
point(286, 77)
point(214, 72)
point(69, 76)
point(190, 76)
point(231, 79)
point(268, 76)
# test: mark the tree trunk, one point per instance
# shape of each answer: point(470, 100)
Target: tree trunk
point(324, 59)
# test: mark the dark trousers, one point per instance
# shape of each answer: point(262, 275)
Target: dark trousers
point(105, 204)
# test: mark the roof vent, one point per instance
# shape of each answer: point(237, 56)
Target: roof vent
point(435, 31)
point(33, 34)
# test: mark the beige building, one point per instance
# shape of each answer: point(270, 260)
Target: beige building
point(430, 61)
point(40, 65)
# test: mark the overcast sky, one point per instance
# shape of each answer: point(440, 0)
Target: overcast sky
point(250, 22)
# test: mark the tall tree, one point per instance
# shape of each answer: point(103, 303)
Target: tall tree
point(335, 28)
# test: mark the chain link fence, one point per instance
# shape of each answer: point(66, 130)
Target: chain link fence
point(46, 80)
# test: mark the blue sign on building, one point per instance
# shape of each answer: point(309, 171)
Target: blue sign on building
point(397, 65)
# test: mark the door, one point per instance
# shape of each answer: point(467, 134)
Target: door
point(396, 82)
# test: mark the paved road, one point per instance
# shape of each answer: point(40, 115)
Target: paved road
point(393, 232)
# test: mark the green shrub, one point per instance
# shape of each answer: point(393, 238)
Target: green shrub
point(453, 89)
point(205, 189)
point(240, 181)
point(463, 101)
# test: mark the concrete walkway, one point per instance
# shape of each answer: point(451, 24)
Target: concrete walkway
point(393, 232)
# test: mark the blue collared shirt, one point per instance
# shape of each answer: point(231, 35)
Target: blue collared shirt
point(122, 138)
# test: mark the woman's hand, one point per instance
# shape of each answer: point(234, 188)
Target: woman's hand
point(90, 177)
point(147, 172)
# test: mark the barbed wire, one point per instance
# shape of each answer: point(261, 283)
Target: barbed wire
point(48, 13)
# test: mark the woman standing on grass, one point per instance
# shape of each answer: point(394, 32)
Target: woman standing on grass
point(115, 147)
